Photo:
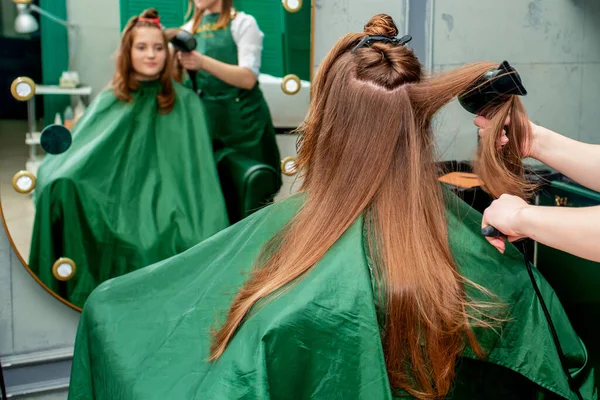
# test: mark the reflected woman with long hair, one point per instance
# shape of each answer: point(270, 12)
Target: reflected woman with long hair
point(139, 183)
point(371, 283)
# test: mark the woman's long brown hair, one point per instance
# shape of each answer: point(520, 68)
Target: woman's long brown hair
point(367, 149)
point(124, 81)
point(198, 13)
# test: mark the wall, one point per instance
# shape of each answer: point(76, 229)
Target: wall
point(335, 18)
point(553, 44)
point(97, 41)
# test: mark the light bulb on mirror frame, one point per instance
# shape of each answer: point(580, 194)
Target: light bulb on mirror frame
point(292, 5)
point(22, 88)
point(290, 84)
point(288, 166)
point(24, 182)
point(64, 269)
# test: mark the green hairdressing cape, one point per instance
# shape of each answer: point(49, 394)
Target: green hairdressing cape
point(146, 335)
point(134, 188)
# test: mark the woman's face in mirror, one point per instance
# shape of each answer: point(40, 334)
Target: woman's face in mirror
point(148, 52)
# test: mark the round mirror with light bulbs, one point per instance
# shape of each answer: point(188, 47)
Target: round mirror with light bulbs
point(291, 84)
point(292, 5)
point(285, 85)
point(22, 88)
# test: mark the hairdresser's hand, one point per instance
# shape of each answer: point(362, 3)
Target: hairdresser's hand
point(505, 214)
point(191, 61)
point(528, 148)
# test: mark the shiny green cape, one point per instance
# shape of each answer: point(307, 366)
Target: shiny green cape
point(136, 187)
point(146, 335)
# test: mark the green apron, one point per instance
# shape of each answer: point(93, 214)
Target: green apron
point(134, 188)
point(147, 335)
point(238, 119)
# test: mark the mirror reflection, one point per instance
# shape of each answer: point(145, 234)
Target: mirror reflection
point(182, 142)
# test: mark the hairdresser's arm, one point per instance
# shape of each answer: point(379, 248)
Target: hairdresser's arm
point(574, 230)
point(232, 74)
point(579, 161)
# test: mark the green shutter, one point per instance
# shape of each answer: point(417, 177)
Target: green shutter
point(55, 56)
point(269, 16)
point(172, 12)
point(296, 41)
point(286, 47)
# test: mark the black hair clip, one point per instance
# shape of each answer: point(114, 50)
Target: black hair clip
point(368, 40)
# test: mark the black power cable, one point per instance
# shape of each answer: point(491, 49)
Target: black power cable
point(561, 354)
point(490, 231)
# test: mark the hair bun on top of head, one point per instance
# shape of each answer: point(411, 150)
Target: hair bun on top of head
point(381, 28)
point(149, 13)
point(381, 24)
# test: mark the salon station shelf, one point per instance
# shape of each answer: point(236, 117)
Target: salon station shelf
point(53, 89)
point(32, 139)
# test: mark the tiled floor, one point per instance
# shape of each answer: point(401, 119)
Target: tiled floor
point(17, 208)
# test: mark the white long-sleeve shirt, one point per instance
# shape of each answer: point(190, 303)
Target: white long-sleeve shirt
point(248, 38)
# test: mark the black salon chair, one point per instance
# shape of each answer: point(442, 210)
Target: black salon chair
point(248, 185)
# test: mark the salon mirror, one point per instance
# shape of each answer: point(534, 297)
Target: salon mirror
point(286, 70)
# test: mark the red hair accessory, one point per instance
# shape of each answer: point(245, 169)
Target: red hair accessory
point(155, 21)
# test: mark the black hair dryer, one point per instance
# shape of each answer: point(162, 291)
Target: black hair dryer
point(493, 88)
point(186, 43)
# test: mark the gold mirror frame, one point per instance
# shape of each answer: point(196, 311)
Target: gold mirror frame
point(3, 218)
point(16, 82)
point(21, 174)
point(287, 79)
point(290, 9)
point(22, 260)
